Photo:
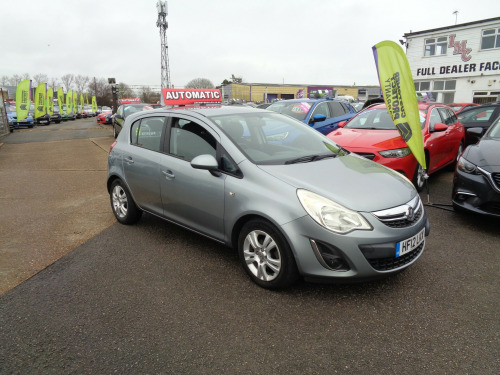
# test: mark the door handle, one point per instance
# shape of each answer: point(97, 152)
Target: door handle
point(129, 160)
point(168, 174)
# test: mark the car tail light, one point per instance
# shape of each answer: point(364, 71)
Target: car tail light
point(112, 145)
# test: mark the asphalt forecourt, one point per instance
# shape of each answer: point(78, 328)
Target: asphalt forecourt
point(155, 298)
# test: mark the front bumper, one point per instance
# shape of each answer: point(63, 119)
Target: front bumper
point(477, 193)
point(361, 255)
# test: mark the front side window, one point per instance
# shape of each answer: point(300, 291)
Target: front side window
point(435, 46)
point(189, 140)
point(147, 133)
point(434, 119)
point(448, 116)
point(322, 109)
point(490, 39)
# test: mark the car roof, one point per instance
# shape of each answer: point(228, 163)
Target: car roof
point(309, 100)
point(213, 110)
point(485, 105)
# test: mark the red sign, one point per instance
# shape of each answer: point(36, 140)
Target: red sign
point(130, 100)
point(190, 96)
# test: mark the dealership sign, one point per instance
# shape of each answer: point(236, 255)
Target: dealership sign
point(130, 101)
point(460, 48)
point(191, 96)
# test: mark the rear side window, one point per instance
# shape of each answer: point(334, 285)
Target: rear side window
point(147, 133)
point(338, 109)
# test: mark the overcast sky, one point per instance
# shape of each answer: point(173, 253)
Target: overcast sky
point(262, 41)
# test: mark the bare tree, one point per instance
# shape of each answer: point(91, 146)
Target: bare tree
point(102, 91)
point(67, 81)
point(200, 83)
point(4, 81)
point(149, 96)
point(124, 91)
point(39, 78)
point(81, 82)
point(15, 79)
point(54, 83)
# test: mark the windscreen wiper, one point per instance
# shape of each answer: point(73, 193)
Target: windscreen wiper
point(309, 158)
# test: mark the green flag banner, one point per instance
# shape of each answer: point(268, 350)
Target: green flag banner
point(82, 104)
point(399, 93)
point(94, 104)
point(50, 101)
point(69, 102)
point(40, 97)
point(23, 99)
point(87, 98)
point(60, 99)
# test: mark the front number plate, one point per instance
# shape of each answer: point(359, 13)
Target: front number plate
point(410, 244)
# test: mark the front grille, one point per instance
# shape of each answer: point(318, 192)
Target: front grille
point(387, 264)
point(496, 179)
point(366, 155)
point(402, 216)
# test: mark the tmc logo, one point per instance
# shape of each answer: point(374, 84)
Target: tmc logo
point(460, 48)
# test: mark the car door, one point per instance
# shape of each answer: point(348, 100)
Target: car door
point(325, 126)
point(191, 197)
point(141, 162)
point(453, 135)
point(436, 141)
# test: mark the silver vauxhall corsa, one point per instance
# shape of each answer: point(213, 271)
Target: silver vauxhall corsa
point(290, 200)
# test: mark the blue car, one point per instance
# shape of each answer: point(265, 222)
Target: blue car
point(10, 109)
point(320, 114)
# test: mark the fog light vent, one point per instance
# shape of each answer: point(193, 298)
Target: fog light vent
point(330, 257)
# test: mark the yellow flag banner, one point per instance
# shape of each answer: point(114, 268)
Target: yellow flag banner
point(23, 99)
point(75, 104)
point(40, 97)
point(399, 94)
point(60, 99)
point(50, 101)
point(69, 102)
point(94, 104)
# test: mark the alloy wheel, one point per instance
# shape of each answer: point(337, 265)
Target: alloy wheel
point(262, 255)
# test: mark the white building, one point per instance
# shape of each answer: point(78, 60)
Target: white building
point(459, 63)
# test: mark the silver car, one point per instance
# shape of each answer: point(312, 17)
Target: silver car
point(291, 201)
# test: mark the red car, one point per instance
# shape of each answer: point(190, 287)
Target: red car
point(104, 117)
point(372, 134)
point(459, 107)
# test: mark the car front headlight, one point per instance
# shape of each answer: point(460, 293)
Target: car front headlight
point(466, 166)
point(396, 153)
point(331, 215)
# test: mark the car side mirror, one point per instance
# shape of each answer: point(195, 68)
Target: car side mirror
point(476, 132)
point(206, 162)
point(440, 127)
point(341, 124)
point(317, 118)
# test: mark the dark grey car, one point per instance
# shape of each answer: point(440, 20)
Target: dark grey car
point(291, 201)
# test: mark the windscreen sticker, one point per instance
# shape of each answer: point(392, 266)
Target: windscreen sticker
point(301, 108)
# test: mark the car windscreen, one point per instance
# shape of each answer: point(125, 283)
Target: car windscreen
point(376, 119)
point(494, 130)
point(298, 110)
point(269, 138)
point(128, 110)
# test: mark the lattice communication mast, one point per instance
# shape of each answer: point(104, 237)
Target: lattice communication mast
point(163, 25)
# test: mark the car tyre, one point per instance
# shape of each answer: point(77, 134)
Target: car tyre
point(459, 152)
point(419, 178)
point(266, 255)
point(124, 207)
